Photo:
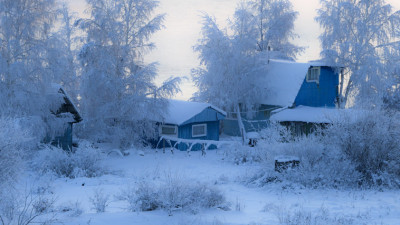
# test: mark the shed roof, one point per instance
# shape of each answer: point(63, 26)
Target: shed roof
point(67, 106)
point(181, 111)
point(283, 80)
point(309, 114)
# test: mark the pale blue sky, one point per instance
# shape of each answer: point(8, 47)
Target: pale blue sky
point(182, 28)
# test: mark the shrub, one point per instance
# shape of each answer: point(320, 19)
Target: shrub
point(359, 148)
point(14, 140)
point(25, 208)
point(303, 217)
point(174, 194)
point(320, 166)
point(370, 140)
point(100, 201)
point(85, 162)
point(73, 209)
point(240, 154)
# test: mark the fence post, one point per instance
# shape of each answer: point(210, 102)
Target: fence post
point(203, 150)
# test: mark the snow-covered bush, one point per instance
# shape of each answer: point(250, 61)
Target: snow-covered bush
point(73, 209)
point(272, 139)
point(99, 201)
point(304, 217)
point(370, 139)
point(174, 194)
point(23, 208)
point(84, 162)
point(320, 165)
point(276, 133)
point(359, 148)
point(240, 154)
point(14, 143)
point(143, 198)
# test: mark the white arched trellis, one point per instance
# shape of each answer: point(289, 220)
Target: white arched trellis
point(192, 142)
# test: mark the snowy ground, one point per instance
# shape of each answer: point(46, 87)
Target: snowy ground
point(249, 205)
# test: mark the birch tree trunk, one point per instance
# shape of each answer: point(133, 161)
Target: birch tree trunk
point(241, 125)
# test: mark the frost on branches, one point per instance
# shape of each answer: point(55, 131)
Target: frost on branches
point(25, 27)
point(230, 63)
point(361, 36)
point(118, 91)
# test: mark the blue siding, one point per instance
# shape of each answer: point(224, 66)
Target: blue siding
point(323, 94)
point(185, 132)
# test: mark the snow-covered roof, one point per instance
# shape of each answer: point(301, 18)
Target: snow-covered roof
point(181, 111)
point(308, 114)
point(64, 101)
point(283, 80)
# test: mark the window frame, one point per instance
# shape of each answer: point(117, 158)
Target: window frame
point(200, 125)
point(309, 73)
point(169, 126)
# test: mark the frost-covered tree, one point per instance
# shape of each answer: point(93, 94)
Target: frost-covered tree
point(227, 71)
point(230, 64)
point(362, 36)
point(12, 138)
point(391, 97)
point(25, 27)
point(274, 24)
point(63, 51)
point(118, 90)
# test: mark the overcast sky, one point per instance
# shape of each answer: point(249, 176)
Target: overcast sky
point(182, 29)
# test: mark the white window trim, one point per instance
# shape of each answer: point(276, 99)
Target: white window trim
point(309, 72)
point(198, 125)
point(169, 126)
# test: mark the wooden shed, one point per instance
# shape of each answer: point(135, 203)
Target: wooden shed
point(191, 120)
point(303, 120)
point(63, 106)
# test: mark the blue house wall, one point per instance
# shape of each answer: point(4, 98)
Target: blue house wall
point(208, 116)
point(185, 131)
point(322, 94)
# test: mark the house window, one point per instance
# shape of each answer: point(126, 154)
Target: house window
point(313, 74)
point(199, 130)
point(168, 130)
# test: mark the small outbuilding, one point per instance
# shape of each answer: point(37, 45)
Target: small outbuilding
point(191, 120)
point(302, 120)
point(66, 112)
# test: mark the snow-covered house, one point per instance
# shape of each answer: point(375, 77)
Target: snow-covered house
point(191, 120)
point(66, 113)
point(289, 85)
